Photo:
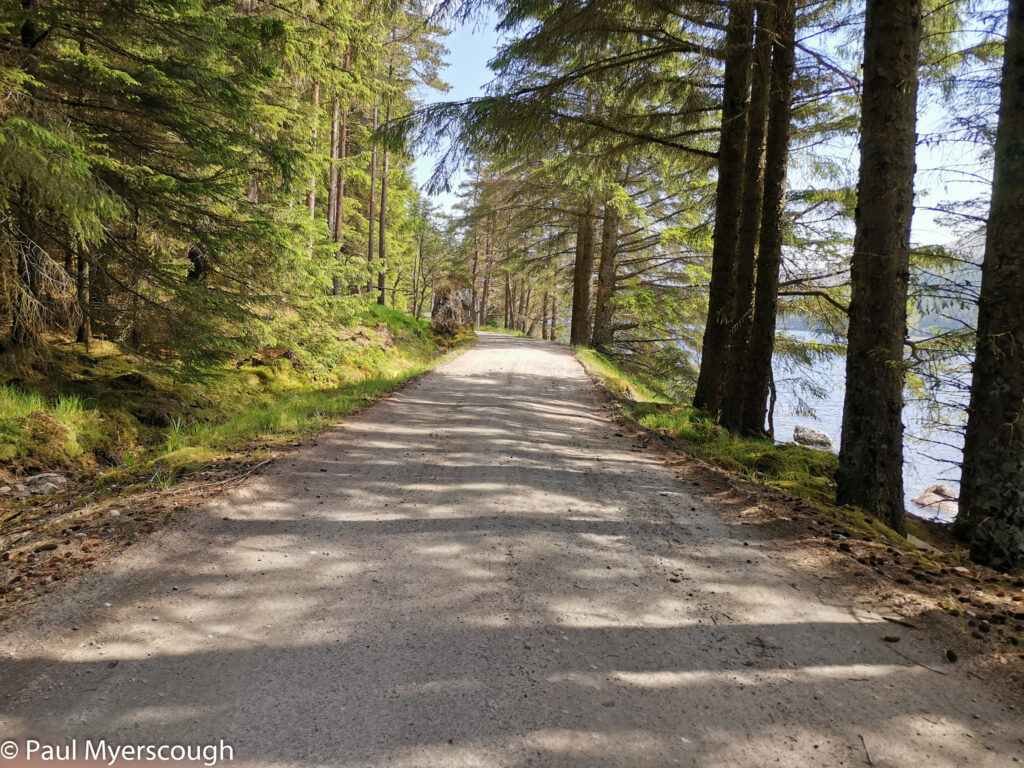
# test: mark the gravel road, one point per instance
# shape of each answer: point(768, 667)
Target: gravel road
point(481, 571)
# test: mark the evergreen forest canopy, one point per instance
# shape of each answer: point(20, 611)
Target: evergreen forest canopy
point(659, 182)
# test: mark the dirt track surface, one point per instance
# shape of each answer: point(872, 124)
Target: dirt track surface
point(479, 571)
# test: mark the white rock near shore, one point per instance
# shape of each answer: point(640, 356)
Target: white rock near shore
point(813, 438)
point(940, 499)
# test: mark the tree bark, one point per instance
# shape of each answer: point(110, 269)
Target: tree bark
point(603, 309)
point(991, 518)
point(311, 195)
point(544, 318)
point(508, 292)
point(383, 217)
point(84, 335)
point(25, 311)
point(582, 277)
point(554, 316)
point(332, 187)
point(870, 471)
point(473, 275)
point(735, 91)
point(761, 345)
point(338, 230)
point(747, 246)
point(486, 296)
point(370, 216)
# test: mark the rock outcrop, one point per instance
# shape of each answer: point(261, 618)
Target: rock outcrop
point(940, 499)
point(813, 438)
point(452, 311)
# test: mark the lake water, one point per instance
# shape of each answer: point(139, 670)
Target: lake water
point(930, 455)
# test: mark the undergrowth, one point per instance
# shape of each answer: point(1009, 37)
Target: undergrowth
point(796, 470)
point(120, 419)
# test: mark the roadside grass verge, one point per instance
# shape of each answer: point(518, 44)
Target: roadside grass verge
point(983, 604)
point(118, 421)
point(796, 470)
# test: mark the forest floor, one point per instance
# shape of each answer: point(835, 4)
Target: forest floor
point(489, 569)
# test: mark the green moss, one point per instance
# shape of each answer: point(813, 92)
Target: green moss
point(615, 379)
point(794, 469)
point(128, 420)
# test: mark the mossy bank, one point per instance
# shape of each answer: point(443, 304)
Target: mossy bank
point(101, 416)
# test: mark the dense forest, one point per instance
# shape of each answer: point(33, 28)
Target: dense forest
point(198, 183)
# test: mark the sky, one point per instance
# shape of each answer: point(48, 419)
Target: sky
point(472, 45)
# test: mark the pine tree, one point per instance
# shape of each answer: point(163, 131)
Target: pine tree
point(870, 473)
point(991, 515)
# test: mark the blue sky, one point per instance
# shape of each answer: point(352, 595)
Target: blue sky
point(470, 47)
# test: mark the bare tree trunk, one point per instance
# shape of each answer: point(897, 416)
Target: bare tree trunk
point(472, 278)
point(554, 316)
point(769, 255)
point(524, 298)
point(416, 274)
point(370, 216)
point(731, 153)
point(486, 297)
point(25, 311)
point(870, 471)
point(742, 311)
point(544, 317)
point(508, 301)
point(311, 195)
point(583, 275)
point(332, 187)
point(339, 196)
point(603, 309)
point(84, 335)
point(991, 515)
point(383, 216)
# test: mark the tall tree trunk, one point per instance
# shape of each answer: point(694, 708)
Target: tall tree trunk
point(370, 216)
point(25, 314)
point(582, 277)
point(486, 296)
point(991, 515)
point(603, 309)
point(742, 311)
point(383, 216)
point(731, 146)
point(544, 317)
point(332, 187)
point(311, 194)
point(554, 316)
point(416, 266)
point(508, 294)
point(472, 276)
point(84, 335)
point(870, 471)
point(524, 298)
point(339, 197)
point(761, 345)
point(489, 265)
